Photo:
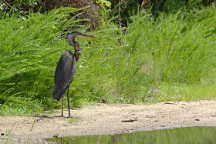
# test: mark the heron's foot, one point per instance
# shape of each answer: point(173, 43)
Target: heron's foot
point(69, 116)
point(69, 113)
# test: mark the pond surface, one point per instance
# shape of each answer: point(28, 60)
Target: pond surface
point(190, 135)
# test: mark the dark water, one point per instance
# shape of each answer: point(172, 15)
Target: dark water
point(191, 135)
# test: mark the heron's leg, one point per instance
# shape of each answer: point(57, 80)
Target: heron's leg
point(62, 112)
point(68, 100)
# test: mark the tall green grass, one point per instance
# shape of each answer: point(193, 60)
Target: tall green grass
point(181, 49)
point(30, 48)
point(136, 66)
point(176, 48)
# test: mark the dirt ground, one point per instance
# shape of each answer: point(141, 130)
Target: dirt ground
point(110, 119)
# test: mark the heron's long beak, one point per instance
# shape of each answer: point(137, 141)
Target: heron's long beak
point(87, 36)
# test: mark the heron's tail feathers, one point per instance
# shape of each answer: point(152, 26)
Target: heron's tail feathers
point(58, 93)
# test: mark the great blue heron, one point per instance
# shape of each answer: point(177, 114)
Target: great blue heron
point(66, 68)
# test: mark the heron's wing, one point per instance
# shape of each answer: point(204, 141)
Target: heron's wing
point(63, 74)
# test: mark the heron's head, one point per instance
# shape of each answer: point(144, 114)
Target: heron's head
point(71, 37)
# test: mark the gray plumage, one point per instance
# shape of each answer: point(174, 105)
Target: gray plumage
point(65, 70)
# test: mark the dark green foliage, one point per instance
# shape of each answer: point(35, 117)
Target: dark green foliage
point(28, 2)
point(19, 8)
point(123, 9)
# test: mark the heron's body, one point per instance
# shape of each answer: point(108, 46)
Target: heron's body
point(64, 74)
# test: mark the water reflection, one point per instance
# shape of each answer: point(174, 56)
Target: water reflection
point(191, 135)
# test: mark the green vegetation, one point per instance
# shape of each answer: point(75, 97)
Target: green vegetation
point(169, 58)
point(30, 49)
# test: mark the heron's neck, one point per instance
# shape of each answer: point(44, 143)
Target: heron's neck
point(75, 44)
point(71, 40)
point(77, 49)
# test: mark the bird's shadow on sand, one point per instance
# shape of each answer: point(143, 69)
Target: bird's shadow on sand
point(50, 117)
